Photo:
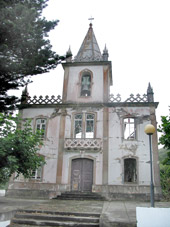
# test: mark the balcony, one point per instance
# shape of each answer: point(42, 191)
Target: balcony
point(83, 144)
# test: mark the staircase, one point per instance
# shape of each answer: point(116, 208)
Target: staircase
point(79, 196)
point(33, 218)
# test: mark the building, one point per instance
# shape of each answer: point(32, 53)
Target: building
point(93, 141)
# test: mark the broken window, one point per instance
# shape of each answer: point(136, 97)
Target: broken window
point(36, 175)
point(84, 125)
point(130, 174)
point(129, 129)
point(41, 125)
point(86, 84)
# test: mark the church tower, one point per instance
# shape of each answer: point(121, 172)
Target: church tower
point(88, 77)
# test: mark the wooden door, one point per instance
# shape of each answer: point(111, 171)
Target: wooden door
point(82, 175)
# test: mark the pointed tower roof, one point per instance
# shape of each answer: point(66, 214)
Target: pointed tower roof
point(89, 50)
point(150, 93)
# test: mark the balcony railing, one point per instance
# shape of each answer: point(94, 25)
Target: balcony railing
point(83, 144)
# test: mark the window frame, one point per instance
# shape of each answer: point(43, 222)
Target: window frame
point(84, 125)
point(80, 122)
point(40, 168)
point(128, 125)
point(87, 121)
point(21, 178)
point(35, 126)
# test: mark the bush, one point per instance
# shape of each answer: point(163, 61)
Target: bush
point(165, 180)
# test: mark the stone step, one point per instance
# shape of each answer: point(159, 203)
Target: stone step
point(79, 196)
point(59, 213)
point(22, 225)
point(82, 195)
point(31, 222)
point(49, 218)
point(57, 217)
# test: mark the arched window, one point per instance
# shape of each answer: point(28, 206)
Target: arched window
point(86, 84)
point(130, 173)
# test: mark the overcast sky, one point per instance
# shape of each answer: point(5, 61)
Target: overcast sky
point(136, 33)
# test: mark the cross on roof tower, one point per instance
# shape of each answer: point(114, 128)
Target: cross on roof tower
point(90, 19)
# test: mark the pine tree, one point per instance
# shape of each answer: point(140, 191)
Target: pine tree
point(25, 49)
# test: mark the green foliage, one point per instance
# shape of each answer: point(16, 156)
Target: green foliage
point(164, 128)
point(18, 148)
point(165, 180)
point(25, 49)
point(4, 186)
point(162, 154)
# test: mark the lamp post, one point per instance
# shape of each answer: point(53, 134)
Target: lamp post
point(149, 130)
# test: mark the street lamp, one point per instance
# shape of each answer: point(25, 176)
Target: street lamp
point(149, 130)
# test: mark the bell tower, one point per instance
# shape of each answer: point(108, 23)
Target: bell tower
point(87, 78)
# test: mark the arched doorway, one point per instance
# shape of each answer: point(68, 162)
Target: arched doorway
point(82, 175)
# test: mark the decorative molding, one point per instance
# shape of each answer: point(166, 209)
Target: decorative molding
point(132, 98)
point(94, 144)
point(58, 100)
point(138, 98)
point(113, 98)
point(44, 100)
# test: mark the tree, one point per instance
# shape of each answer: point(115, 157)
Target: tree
point(19, 148)
point(165, 180)
point(164, 128)
point(25, 49)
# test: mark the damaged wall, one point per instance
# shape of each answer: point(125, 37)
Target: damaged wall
point(50, 148)
point(121, 148)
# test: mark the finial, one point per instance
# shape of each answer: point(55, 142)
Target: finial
point(69, 55)
point(25, 95)
point(105, 49)
point(105, 54)
point(25, 91)
point(150, 93)
point(69, 50)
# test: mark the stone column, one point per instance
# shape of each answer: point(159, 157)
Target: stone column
point(65, 83)
point(61, 147)
point(105, 145)
point(105, 126)
point(105, 83)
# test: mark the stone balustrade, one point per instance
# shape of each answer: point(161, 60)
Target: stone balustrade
point(83, 144)
point(111, 99)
